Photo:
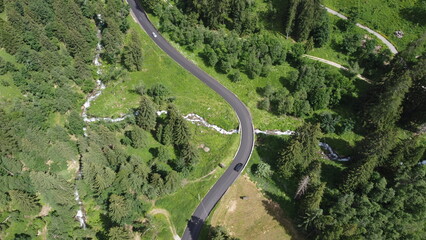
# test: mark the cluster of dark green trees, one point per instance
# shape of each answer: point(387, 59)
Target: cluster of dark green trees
point(53, 45)
point(171, 130)
point(50, 46)
point(238, 15)
point(370, 59)
point(334, 123)
point(307, 20)
point(312, 87)
point(254, 54)
point(381, 192)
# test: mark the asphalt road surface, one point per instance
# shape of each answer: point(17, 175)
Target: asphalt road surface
point(246, 130)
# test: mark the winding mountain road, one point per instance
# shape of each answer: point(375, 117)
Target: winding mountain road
point(246, 129)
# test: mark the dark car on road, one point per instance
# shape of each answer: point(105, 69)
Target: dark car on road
point(238, 167)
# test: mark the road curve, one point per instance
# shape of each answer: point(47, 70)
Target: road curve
point(246, 129)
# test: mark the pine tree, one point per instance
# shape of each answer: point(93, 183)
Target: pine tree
point(167, 137)
point(374, 148)
point(132, 55)
point(310, 202)
point(181, 133)
point(172, 181)
point(24, 202)
point(301, 150)
point(146, 114)
point(8, 143)
point(75, 123)
point(188, 153)
point(159, 133)
point(118, 209)
point(118, 233)
point(53, 189)
point(305, 19)
point(138, 137)
point(157, 185)
point(415, 110)
point(289, 159)
point(292, 12)
point(384, 110)
point(408, 152)
point(104, 178)
point(163, 154)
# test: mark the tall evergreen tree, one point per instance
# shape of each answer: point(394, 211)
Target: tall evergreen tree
point(118, 233)
point(371, 151)
point(172, 181)
point(75, 123)
point(310, 201)
point(118, 208)
point(181, 133)
point(138, 137)
point(132, 55)
point(291, 16)
point(8, 143)
point(146, 114)
point(24, 202)
point(300, 151)
point(305, 18)
point(384, 110)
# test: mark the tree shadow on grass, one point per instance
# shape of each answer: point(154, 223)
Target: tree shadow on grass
point(340, 146)
point(106, 225)
point(286, 82)
point(415, 14)
point(268, 147)
point(276, 20)
point(331, 175)
point(275, 211)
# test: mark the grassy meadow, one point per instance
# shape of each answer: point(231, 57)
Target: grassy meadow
point(387, 16)
point(192, 96)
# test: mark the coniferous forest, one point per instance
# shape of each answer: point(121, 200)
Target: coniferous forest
point(46, 166)
point(56, 165)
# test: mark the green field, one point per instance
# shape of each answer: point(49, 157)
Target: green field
point(192, 96)
point(387, 16)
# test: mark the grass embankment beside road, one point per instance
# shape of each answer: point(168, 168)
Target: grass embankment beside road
point(183, 203)
point(247, 89)
point(192, 96)
point(386, 17)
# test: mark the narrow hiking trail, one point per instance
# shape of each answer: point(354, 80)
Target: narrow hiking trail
point(391, 47)
point(166, 213)
point(199, 179)
point(334, 64)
